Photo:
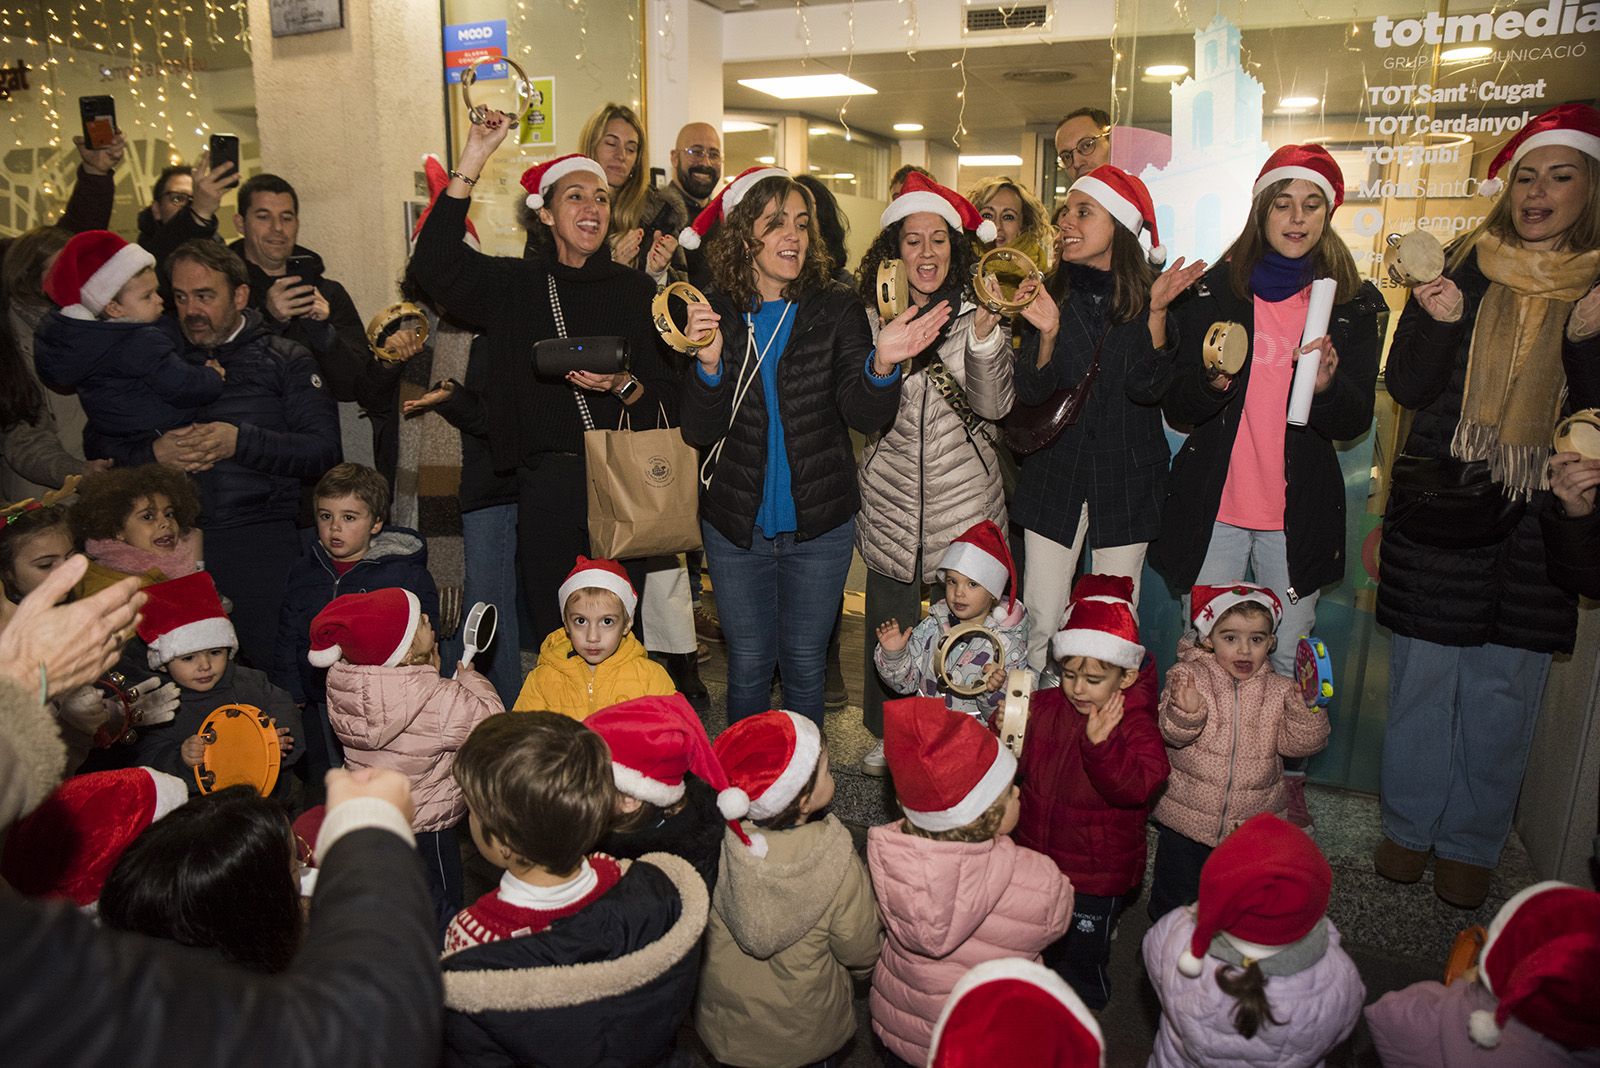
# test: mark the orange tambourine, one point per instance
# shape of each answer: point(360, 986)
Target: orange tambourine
point(241, 750)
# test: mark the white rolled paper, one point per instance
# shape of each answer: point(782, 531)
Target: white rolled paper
point(1318, 312)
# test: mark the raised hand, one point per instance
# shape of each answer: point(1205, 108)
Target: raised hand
point(625, 247)
point(101, 160)
point(700, 320)
point(891, 637)
point(661, 250)
point(1041, 312)
point(907, 335)
point(1187, 699)
point(1104, 720)
point(1172, 282)
point(1441, 299)
point(65, 646)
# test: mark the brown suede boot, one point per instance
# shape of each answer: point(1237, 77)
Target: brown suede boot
point(1459, 883)
point(1394, 861)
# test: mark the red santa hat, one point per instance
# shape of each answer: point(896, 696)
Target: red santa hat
point(184, 616)
point(1128, 201)
point(1574, 125)
point(438, 178)
point(1266, 884)
point(1015, 1011)
point(1542, 961)
point(538, 179)
point(1100, 622)
point(1311, 162)
point(981, 554)
point(947, 767)
point(608, 575)
point(712, 214)
point(91, 270)
point(770, 757)
point(654, 741)
point(1208, 603)
point(67, 846)
point(921, 193)
point(375, 629)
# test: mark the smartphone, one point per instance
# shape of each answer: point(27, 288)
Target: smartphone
point(99, 114)
point(307, 267)
point(225, 149)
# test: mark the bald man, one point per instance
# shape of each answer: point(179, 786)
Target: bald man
point(696, 171)
point(1083, 142)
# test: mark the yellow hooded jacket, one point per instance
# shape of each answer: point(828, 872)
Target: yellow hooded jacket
point(563, 681)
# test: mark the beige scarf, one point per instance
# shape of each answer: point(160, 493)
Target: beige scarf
point(1515, 380)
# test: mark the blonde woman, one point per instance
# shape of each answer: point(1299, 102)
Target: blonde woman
point(642, 222)
point(1020, 220)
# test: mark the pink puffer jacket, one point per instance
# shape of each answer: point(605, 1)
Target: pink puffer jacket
point(1227, 763)
point(412, 720)
point(948, 906)
point(1425, 1026)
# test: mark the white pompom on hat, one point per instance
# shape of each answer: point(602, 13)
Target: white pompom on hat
point(731, 195)
point(1574, 125)
point(921, 193)
point(538, 179)
point(1128, 201)
point(770, 757)
point(1541, 961)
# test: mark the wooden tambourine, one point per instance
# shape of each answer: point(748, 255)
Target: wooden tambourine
point(1018, 264)
point(1226, 346)
point(668, 329)
point(1413, 259)
point(959, 636)
point(393, 320)
point(892, 294)
point(1313, 671)
point(1580, 433)
point(241, 750)
point(120, 723)
point(1013, 724)
point(478, 112)
point(1464, 952)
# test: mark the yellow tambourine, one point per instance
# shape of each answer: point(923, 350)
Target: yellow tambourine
point(668, 329)
point(1580, 433)
point(1226, 345)
point(1016, 264)
point(1013, 723)
point(959, 636)
point(393, 320)
point(241, 750)
point(478, 112)
point(892, 293)
point(1413, 259)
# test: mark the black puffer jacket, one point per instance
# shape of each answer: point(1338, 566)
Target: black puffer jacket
point(1502, 593)
point(694, 833)
point(1313, 519)
point(825, 393)
point(1574, 549)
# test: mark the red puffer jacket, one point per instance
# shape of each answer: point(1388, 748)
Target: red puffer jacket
point(1084, 806)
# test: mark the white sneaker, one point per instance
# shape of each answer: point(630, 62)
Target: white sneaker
point(873, 762)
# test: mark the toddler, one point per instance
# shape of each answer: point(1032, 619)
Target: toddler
point(953, 889)
point(391, 708)
point(1091, 764)
point(1254, 974)
point(594, 660)
point(1529, 1002)
point(539, 790)
point(136, 521)
point(105, 344)
point(793, 917)
point(1228, 720)
point(980, 585)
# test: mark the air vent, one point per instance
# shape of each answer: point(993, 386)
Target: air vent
point(1046, 76)
point(1002, 19)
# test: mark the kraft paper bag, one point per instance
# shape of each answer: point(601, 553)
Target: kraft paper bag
point(644, 497)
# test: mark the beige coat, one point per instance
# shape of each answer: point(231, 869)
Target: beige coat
point(925, 481)
point(786, 933)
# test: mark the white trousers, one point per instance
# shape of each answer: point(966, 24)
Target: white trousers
point(1050, 567)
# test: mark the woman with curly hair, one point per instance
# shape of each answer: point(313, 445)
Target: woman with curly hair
point(641, 219)
point(136, 521)
point(1020, 220)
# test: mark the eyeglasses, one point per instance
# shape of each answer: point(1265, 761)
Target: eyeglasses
point(700, 153)
point(1082, 148)
point(178, 200)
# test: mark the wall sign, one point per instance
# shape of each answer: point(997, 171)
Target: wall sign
point(290, 18)
point(473, 42)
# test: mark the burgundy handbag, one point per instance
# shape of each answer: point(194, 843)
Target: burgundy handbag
point(1031, 427)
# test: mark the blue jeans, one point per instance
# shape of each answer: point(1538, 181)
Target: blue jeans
point(777, 601)
point(1456, 744)
point(489, 537)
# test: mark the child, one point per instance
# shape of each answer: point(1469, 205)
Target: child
point(539, 790)
point(977, 574)
point(191, 641)
point(793, 917)
point(1254, 974)
point(1529, 1002)
point(391, 708)
point(954, 890)
point(32, 542)
point(218, 874)
point(980, 1023)
point(593, 661)
point(1229, 720)
point(655, 743)
point(136, 521)
point(104, 343)
point(1092, 763)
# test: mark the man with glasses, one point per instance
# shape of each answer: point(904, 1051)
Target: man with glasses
point(1083, 142)
point(184, 208)
point(696, 170)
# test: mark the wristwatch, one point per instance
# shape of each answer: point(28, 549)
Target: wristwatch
point(627, 390)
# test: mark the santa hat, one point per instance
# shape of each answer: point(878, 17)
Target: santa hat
point(712, 214)
point(91, 270)
point(538, 179)
point(654, 741)
point(947, 767)
point(1015, 1011)
point(770, 757)
point(184, 616)
point(1128, 201)
point(1208, 603)
point(375, 629)
point(921, 193)
point(1266, 884)
point(1574, 125)
point(1100, 623)
point(1542, 961)
point(68, 845)
point(438, 178)
point(980, 553)
point(1311, 162)
point(607, 575)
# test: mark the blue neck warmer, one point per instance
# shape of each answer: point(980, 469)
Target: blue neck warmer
point(1278, 277)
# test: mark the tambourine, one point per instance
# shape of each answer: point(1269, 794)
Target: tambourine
point(1413, 259)
point(1580, 433)
point(1226, 346)
point(1313, 671)
point(959, 636)
point(1464, 952)
point(1020, 265)
point(668, 329)
point(478, 112)
point(1013, 722)
point(117, 727)
point(392, 320)
point(241, 750)
point(892, 294)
